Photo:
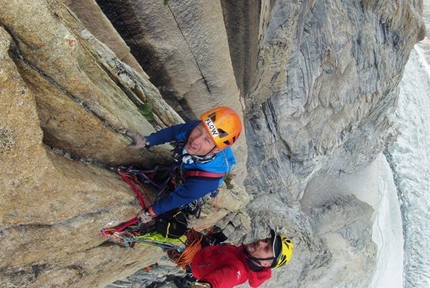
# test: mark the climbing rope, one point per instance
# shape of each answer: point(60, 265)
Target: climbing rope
point(192, 246)
point(126, 232)
point(131, 179)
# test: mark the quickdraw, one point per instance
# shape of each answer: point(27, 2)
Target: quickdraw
point(144, 234)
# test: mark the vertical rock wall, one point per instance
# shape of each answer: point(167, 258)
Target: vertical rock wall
point(322, 104)
point(66, 100)
point(316, 81)
point(327, 77)
point(183, 47)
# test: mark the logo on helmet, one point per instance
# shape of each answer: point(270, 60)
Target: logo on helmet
point(212, 127)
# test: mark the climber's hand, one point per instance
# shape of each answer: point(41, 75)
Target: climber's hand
point(144, 216)
point(138, 141)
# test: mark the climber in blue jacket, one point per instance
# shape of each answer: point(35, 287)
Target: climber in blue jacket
point(206, 149)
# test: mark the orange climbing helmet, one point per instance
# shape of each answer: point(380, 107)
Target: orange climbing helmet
point(223, 124)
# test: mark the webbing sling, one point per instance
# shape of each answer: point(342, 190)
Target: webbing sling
point(200, 173)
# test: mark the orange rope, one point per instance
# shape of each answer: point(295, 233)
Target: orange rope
point(193, 245)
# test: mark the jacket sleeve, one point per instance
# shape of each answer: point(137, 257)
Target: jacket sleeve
point(172, 133)
point(235, 274)
point(190, 190)
point(228, 276)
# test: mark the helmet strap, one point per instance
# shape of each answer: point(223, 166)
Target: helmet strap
point(210, 151)
point(254, 267)
point(253, 260)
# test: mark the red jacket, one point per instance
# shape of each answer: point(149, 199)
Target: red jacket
point(226, 267)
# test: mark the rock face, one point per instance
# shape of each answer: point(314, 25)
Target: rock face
point(316, 82)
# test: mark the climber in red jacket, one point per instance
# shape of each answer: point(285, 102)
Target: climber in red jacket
point(226, 266)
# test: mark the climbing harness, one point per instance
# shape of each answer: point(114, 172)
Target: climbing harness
point(170, 226)
point(164, 231)
point(167, 178)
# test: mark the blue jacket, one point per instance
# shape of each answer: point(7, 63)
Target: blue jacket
point(192, 188)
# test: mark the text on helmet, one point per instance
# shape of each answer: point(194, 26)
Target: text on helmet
point(212, 127)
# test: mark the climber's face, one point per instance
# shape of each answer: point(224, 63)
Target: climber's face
point(200, 142)
point(263, 250)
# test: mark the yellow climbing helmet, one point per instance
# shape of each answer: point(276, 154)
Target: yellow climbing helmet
point(282, 249)
point(223, 124)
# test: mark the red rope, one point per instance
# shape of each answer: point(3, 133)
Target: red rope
point(121, 227)
point(126, 224)
point(135, 189)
